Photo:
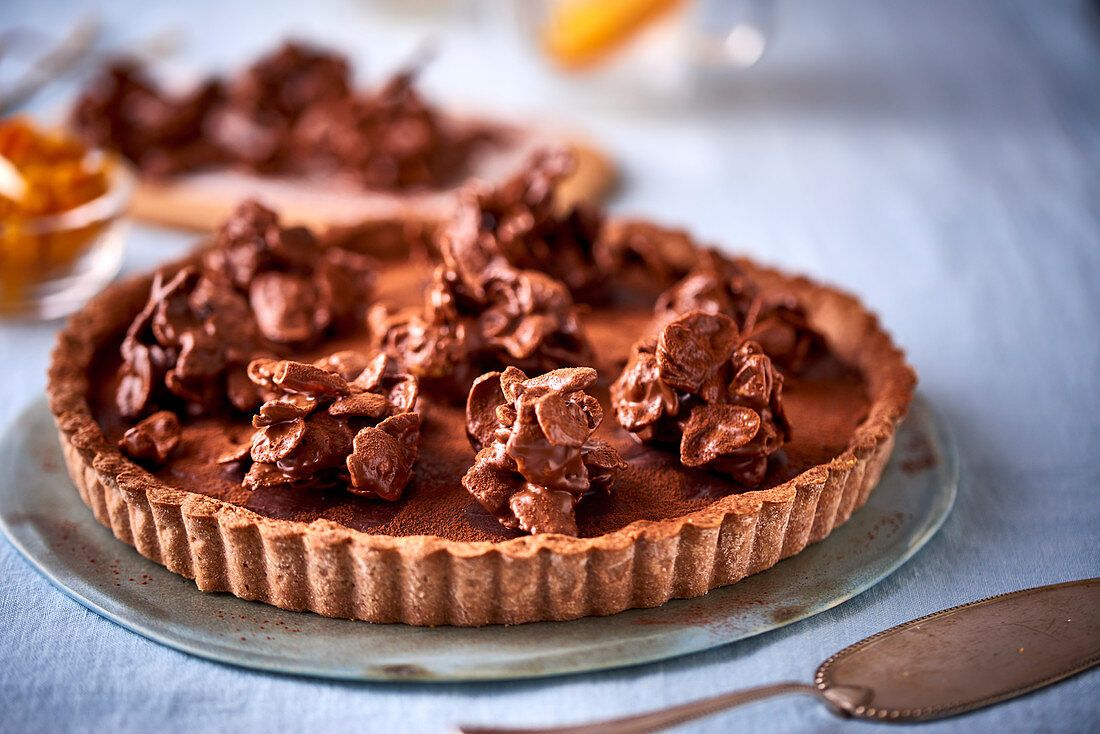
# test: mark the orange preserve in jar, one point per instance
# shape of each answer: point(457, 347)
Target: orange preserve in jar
point(582, 33)
point(43, 174)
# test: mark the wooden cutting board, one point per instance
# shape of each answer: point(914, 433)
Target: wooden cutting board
point(202, 201)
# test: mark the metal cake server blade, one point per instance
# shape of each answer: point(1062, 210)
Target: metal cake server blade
point(947, 663)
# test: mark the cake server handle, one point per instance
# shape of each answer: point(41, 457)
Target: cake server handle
point(655, 720)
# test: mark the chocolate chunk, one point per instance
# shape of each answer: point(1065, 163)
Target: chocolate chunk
point(136, 383)
point(288, 81)
point(277, 439)
point(603, 463)
point(536, 456)
point(351, 365)
point(365, 404)
point(287, 307)
point(542, 510)
point(235, 454)
point(152, 440)
point(716, 430)
point(389, 140)
point(308, 379)
point(241, 392)
point(314, 421)
point(692, 350)
point(284, 408)
point(700, 385)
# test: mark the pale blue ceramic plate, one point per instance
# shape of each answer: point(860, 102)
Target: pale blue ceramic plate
point(44, 518)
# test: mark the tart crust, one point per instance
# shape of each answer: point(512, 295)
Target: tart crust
point(426, 580)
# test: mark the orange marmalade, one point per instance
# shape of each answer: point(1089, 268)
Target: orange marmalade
point(42, 174)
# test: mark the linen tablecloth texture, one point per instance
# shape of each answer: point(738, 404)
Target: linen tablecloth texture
point(941, 159)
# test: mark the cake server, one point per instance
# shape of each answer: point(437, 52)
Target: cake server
point(947, 663)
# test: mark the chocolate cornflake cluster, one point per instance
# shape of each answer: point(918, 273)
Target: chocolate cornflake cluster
point(391, 139)
point(521, 223)
point(646, 253)
point(292, 112)
point(482, 313)
point(701, 385)
point(261, 107)
point(261, 287)
point(297, 288)
point(153, 440)
point(162, 134)
point(343, 419)
point(777, 322)
point(536, 455)
point(194, 335)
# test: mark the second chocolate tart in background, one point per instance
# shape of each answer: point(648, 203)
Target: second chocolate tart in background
point(292, 130)
point(751, 413)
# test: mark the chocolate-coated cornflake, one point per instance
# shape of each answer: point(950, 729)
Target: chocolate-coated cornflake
point(192, 335)
point(537, 457)
point(700, 385)
point(777, 322)
point(342, 419)
point(296, 288)
point(152, 440)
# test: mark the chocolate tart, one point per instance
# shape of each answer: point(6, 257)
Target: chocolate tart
point(432, 558)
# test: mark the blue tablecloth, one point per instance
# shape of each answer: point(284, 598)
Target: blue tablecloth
point(941, 159)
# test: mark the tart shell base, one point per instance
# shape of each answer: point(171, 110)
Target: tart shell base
point(425, 580)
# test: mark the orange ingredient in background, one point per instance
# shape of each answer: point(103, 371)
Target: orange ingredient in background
point(581, 33)
point(60, 174)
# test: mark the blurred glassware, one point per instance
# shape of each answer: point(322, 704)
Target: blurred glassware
point(46, 66)
point(62, 221)
point(645, 48)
